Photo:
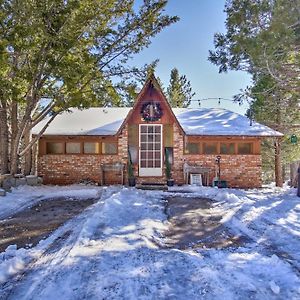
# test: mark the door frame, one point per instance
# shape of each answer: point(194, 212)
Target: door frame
point(151, 172)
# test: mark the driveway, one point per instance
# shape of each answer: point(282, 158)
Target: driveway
point(196, 222)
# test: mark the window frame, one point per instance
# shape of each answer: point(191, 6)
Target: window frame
point(194, 143)
point(251, 148)
point(55, 142)
point(228, 143)
point(109, 142)
point(217, 144)
point(73, 142)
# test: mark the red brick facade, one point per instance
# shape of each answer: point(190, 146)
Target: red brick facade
point(242, 171)
point(72, 168)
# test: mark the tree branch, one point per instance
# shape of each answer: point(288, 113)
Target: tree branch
point(34, 140)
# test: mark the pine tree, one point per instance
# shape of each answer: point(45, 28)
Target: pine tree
point(262, 38)
point(72, 53)
point(179, 91)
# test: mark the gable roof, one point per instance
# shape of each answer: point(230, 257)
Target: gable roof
point(219, 122)
point(198, 121)
point(150, 83)
point(92, 121)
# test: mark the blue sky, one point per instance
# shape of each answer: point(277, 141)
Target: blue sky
point(185, 45)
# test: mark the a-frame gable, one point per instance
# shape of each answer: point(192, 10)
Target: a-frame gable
point(151, 92)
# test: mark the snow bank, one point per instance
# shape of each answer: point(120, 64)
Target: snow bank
point(13, 260)
point(113, 253)
point(26, 196)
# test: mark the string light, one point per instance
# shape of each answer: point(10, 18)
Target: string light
point(219, 103)
point(216, 98)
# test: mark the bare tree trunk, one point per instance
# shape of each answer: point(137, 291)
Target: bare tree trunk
point(28, 154)
point(283, 172)
point(14, 120)
point(15, 146)
point(278, 163)
point(3, 139)
point(294, 173)
point(14, 158)
point(34, 160)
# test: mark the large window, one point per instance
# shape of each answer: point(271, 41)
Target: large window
point(73, 148)
point(227, 148)
point(54, 148)
point(109, 148)
point(91, 148)
point(245, 148)
point(210, 148)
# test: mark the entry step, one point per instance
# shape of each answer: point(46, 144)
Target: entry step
point(155, 186)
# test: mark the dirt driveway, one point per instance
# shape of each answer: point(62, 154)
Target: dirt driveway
point(26, 228)
point(194, 222)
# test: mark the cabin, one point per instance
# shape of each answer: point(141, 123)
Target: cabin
point(98, 144)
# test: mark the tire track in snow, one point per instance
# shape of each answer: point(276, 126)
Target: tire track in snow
point(49, 267)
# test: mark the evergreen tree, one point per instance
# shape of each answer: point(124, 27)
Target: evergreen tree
point(179, 91)
point(263, 38)
point(73, 53)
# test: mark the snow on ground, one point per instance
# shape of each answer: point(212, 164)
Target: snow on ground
point(111, 251)
point(26, 196)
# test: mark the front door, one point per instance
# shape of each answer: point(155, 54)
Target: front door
point(150, 145)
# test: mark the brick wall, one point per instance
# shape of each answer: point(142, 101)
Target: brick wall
point(242, 171)
point(177, 168)
point(67, 169)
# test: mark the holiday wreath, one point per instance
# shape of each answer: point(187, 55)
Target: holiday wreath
point(151, 111)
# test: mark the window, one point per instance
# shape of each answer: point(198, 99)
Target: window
point(192, 148)
point(133, 142)
point(168, 135)
point(54, 148)
point(227, 148)
point(169, 153)
point(73, 148)
point(90, 148)
point(109, 148)
point(245, 148)
point(210, 148)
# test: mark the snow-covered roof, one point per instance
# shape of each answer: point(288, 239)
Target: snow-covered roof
point(199, 121)
point(219, 121)
point(92, 121)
